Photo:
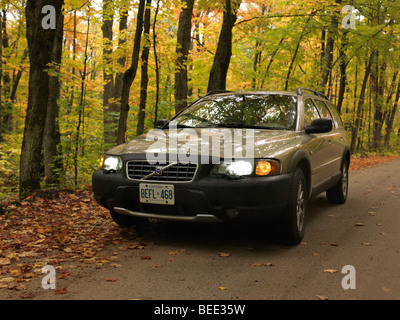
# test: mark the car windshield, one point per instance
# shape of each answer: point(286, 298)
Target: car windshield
point(274, 112)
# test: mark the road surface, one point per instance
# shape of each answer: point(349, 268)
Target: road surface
point(213, 262)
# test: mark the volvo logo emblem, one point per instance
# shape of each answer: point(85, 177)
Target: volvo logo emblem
point(159, 171)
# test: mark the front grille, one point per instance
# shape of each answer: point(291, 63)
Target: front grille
point(137, 170)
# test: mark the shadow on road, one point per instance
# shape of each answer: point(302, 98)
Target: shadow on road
point(238, 233)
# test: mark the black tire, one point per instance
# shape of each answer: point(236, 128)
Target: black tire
point(338, 194)
point(293, 224)
point(125, 221)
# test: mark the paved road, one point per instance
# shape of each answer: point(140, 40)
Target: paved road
point(243, 262)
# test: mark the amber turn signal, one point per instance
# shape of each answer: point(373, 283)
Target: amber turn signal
point(265, 168)
point(101, 162)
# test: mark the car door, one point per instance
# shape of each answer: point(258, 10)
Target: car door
point(317, 145)
point(335, 148)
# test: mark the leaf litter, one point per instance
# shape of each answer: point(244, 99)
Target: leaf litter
point(55, 228)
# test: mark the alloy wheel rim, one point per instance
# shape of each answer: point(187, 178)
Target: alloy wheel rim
point(345, 180)
point(300, 207)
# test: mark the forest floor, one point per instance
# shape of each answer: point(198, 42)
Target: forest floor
point(69, 230)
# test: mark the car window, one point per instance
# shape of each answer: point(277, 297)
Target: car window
point(323, 109)
point(244, 110)
point(335, 113)
point(310, 112)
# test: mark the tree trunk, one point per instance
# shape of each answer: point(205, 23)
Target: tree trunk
point(157, 64)
point(81, 106)
point(6, 44)
point(5, 76)
point(258, 51)
point(130, 75)
point(145, 67)
point(361, 101)
point(379, 101)
point(17, 78)
point(119, 77)
point(343, 70)
point(391, 118)
point(271, 60)
point(40, 44)
point(296, 51)
point(113, 107)
point(223, 54)
point(182, 51)
point(2, 112)
point(329, 47)
point(108, 84)
point(52, 137)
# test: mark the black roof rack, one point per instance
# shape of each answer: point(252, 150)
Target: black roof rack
point(319, 94)
point(217, 92)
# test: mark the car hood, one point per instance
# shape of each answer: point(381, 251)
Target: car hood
point(241, 143)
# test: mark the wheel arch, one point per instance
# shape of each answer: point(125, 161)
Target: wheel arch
point(301, 159)
point(347, 156)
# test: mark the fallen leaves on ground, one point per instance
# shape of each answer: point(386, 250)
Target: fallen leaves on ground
point(61, 291)
point(330, 270)
point(224, 255)
point(51, 228)
point(360, 163)
point(266, 264)
point(367, 244)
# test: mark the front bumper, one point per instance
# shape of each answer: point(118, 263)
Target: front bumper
point(206, 199)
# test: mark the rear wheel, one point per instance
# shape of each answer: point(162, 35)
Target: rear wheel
point(293, 224)
point(338, 194)
point(125, 221)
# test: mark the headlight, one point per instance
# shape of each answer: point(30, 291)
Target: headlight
point(111, 163)
point(235, 169)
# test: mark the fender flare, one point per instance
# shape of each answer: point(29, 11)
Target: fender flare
point(298, 156)
point(301, 156)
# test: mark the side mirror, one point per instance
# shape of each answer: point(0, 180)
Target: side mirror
point(162, 123)
point(320, 126)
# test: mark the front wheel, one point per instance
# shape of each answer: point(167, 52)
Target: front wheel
point(293, 224)
point(338, 194)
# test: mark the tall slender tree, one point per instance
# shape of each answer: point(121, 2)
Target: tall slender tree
point(327, 59)
point(182, 51)
point(130, 74)
point(145, 70)
point(222, 58)
point(361, 101)
point(52, 138)
point(108, 86)
point(40, 44)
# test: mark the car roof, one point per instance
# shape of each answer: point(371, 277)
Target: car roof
point(230, 93)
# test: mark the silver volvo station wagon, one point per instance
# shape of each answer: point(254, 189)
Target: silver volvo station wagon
point(230, 156)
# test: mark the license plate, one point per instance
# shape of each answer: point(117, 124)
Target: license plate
point(157, 194)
